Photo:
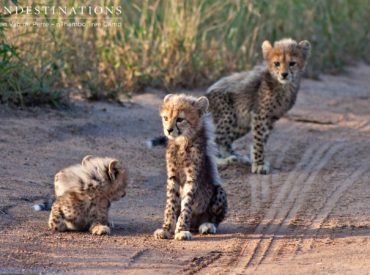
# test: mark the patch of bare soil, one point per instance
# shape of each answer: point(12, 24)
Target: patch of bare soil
point(310, 215)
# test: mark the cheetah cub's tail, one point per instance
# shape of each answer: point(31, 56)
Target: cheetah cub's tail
point(44, 206)
point(157, 141)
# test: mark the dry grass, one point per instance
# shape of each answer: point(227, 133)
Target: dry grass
point(177, 43)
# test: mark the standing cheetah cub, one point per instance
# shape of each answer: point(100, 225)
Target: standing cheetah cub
point(195, 198)
point(84, 193)
point(256, 99)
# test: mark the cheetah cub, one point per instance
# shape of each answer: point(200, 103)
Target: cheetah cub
point(256, 99)
point(195, 198)
point(84, 193)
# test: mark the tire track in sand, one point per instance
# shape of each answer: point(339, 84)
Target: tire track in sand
point(253, 248)
point(267, 181)
point(298, 200)
point(324, 154)
point(302, 243)
point(277, 249)
point(331, 202)
point(261, 185)
point(260, 243)
point(297, 197)
point(282, 148)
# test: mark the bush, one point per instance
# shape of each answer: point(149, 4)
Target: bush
point(178, 43)
point(20, 83)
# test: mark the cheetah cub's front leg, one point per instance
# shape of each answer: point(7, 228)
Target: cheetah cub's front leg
point(56, 220)
point(99, 225)
point(190, 187)
point(172, 206)
point(261, 129)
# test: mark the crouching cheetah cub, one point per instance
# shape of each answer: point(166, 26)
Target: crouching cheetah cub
point(256, 99)
point(195, 198)
point(84, 193)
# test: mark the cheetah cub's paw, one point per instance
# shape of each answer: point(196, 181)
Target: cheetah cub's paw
point(100, 229)
point(224, 162)
point(207, 228)
point(261, 168)
point(183, 236)
point(61, 227)
point(162, 234)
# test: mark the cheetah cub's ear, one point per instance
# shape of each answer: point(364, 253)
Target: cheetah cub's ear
point(305, 47)
point(203, 104)
point(113, 169)
point(266, 48)
point(167, 97)
point(85, 159)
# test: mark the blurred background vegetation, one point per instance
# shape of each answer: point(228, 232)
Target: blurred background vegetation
point(168, 44)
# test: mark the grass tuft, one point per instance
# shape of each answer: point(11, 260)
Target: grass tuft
point(169, 44)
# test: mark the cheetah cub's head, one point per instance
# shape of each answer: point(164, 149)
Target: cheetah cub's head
point(182, 116)
point(112, 173)
point(287, 59)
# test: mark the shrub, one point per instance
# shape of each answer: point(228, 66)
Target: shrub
point(176, 43)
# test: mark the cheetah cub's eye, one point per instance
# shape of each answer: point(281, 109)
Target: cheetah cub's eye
point(179, 119)
point(277, 64)
point(165, 118)
point(291, 64)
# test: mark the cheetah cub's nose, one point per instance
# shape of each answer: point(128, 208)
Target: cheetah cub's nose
point(284, 75)
point(170, 130)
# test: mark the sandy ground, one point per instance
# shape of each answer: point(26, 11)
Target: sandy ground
point(311, 215)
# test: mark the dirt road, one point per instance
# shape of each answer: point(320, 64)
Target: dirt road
point(310, 215)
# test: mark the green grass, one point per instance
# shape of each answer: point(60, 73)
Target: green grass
point(171, 44)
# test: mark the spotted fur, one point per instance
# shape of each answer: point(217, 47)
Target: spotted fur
point(195, 198)
point(255, 100)
point(84, 193)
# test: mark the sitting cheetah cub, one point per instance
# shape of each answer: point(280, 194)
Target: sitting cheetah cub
point(84, 193)
point(195, 198)
point(256, 99)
